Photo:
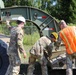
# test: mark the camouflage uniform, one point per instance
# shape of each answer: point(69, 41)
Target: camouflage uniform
point(70, 60)
point(37, 52)
point(15, 47)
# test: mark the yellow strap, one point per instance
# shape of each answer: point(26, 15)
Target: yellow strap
point(67, 41)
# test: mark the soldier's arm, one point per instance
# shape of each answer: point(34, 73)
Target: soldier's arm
point(58, 43)
point(20, 44)
point(8, 24)
point(49, 49)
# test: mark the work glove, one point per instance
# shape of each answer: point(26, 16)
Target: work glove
point(8, 22)
point(57, 48)
point(57, 44)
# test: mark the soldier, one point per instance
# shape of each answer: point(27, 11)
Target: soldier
point(68, 36)
point(16, 46)
point(44, 44)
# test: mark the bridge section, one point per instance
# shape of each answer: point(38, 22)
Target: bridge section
point(44, 22)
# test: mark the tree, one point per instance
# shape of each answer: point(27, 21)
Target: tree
point(50, 7)
point(72, 11)
point(64, 9)
point(8, 3)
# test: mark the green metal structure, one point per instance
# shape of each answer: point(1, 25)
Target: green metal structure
point(43, 21)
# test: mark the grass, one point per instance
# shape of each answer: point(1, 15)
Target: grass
point(27, 48)
point(29, 41)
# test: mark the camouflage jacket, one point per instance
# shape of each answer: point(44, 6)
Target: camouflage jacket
point(44, 43)
point(16, 40)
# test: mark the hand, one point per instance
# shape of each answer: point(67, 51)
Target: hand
point(56, 48)
point(24, 54)
point(8, 22)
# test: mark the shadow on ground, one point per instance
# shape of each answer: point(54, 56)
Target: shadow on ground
point(37, 71)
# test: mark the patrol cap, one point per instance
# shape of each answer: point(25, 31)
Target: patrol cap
point(55, 35)
point(21, 18)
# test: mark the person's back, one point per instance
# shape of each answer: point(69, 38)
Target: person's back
point(40, 45)
point(13, 41)
point(45, 41)
point(15, 33)
point(68, 35)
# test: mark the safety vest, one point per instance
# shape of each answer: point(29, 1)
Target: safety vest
point(68, 36)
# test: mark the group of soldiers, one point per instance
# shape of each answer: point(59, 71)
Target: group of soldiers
point(67, 34)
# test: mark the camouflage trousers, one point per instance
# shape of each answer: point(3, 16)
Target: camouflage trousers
point(69, 63)
point(14, 67)
point(42, 60)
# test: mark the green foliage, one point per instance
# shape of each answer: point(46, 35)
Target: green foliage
point(9, 3)
point(72, 10)
point(71, 24)
point(64, 9)
point(31, 39)
point(3, 29)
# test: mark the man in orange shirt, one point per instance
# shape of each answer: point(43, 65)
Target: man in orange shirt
point(68, 36)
